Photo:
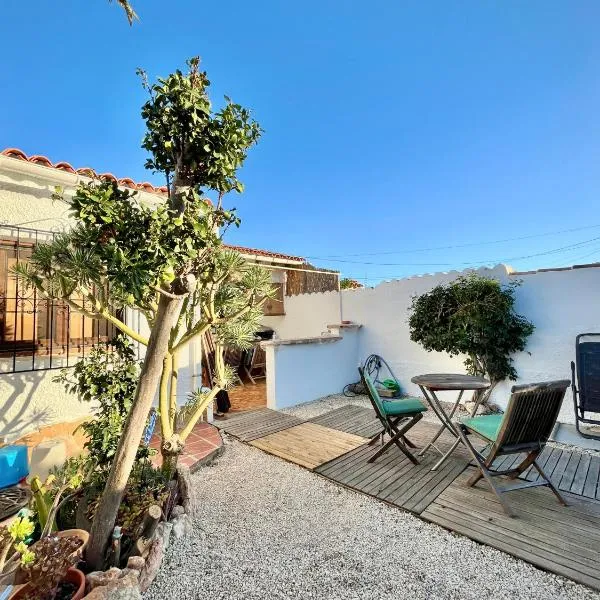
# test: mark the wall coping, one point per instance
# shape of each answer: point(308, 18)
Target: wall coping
point(344, 326)
point(323, 339)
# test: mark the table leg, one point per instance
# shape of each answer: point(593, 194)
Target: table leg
point(445, 457)
point(458, 440)
point(437, 408)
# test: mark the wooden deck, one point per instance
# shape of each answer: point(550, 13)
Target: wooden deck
point(351, 419)
point(563, 540)
point(574, 472)
point(253, 424)
point(309, 444)
point(392, 477)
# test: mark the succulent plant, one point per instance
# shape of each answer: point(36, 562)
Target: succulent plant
point(13, 537)
point(53, 557)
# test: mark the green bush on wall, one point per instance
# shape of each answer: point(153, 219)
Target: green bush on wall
point(474, 316)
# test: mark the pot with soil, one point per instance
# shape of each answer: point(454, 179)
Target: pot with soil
point(79, 539)
point(7, 576)
point(72, 587)
point(49, 574)
point(79, 534)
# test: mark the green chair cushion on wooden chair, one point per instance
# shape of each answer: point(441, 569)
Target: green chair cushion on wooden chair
point(487, 426)
point(403, 406)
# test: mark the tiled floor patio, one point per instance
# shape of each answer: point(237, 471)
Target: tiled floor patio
point(563, 540)
point(204, 441)
point(248, 396)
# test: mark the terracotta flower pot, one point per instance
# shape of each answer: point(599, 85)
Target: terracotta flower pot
point(82, 534)
point(21, 575)
point(7, 576)
point(74, 576)
point(77, 578)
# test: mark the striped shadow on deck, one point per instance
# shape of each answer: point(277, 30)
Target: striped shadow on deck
point(254, 424)
point(356, 420)
point(393, 478)
point(564, 540)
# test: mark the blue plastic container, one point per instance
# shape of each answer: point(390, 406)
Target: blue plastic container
point(14, 465)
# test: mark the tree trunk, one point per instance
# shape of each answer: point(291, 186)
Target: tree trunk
point(171, 449)
point(106, 514)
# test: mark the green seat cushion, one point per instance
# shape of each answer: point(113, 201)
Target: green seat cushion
point(403, 406)
point(486, 425)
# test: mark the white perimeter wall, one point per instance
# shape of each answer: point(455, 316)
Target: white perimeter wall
point(306, 315)
point(302, 372)
point(561, 304)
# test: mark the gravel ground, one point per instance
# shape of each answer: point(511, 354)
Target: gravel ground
point(273, 530)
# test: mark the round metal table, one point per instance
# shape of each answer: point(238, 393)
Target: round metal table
point(445, 382)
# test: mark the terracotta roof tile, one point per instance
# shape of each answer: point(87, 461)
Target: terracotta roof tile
point(85, 171)
point(266, 253)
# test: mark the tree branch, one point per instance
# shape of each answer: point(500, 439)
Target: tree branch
point(199, 329)
point(166, 293)
point(134, 335)
point(173, 391)
point(165, 421)
point(198, 413)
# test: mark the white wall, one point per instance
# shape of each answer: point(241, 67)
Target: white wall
point(306, 315)
point(301, 372)
point(31, 400)
point(383, 313)
point(560, 303)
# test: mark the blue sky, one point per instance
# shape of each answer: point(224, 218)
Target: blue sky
point(390, 127)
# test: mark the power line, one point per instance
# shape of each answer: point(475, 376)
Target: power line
point(579, 257)
point(468, 245)
point(480, 261)
point(596, 250)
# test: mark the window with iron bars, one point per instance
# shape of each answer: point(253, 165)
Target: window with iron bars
point(37, 333)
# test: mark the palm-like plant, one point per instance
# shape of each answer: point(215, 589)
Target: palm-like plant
point(131, 14)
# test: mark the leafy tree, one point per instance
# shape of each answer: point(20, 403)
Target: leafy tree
point(164, 260)
point(475, 316)
point(349, 284)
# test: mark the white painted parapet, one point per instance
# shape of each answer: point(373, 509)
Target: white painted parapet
point(304, 369)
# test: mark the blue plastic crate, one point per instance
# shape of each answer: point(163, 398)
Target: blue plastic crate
point(14, 465)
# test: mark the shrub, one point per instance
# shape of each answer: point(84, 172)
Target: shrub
point(107, 377)
point(472, 315)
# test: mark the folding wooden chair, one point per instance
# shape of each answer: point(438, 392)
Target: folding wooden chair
point(255, 365)
point(524, 428)
point(392, 414)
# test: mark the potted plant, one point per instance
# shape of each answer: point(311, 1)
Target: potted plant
point(64, 484)
point(50, 572)
point(13, 547)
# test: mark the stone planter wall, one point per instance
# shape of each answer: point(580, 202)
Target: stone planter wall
point(129, 583)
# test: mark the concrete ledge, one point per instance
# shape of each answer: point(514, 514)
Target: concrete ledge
point(344, 326)
point(323, 339)
point(566, 433)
